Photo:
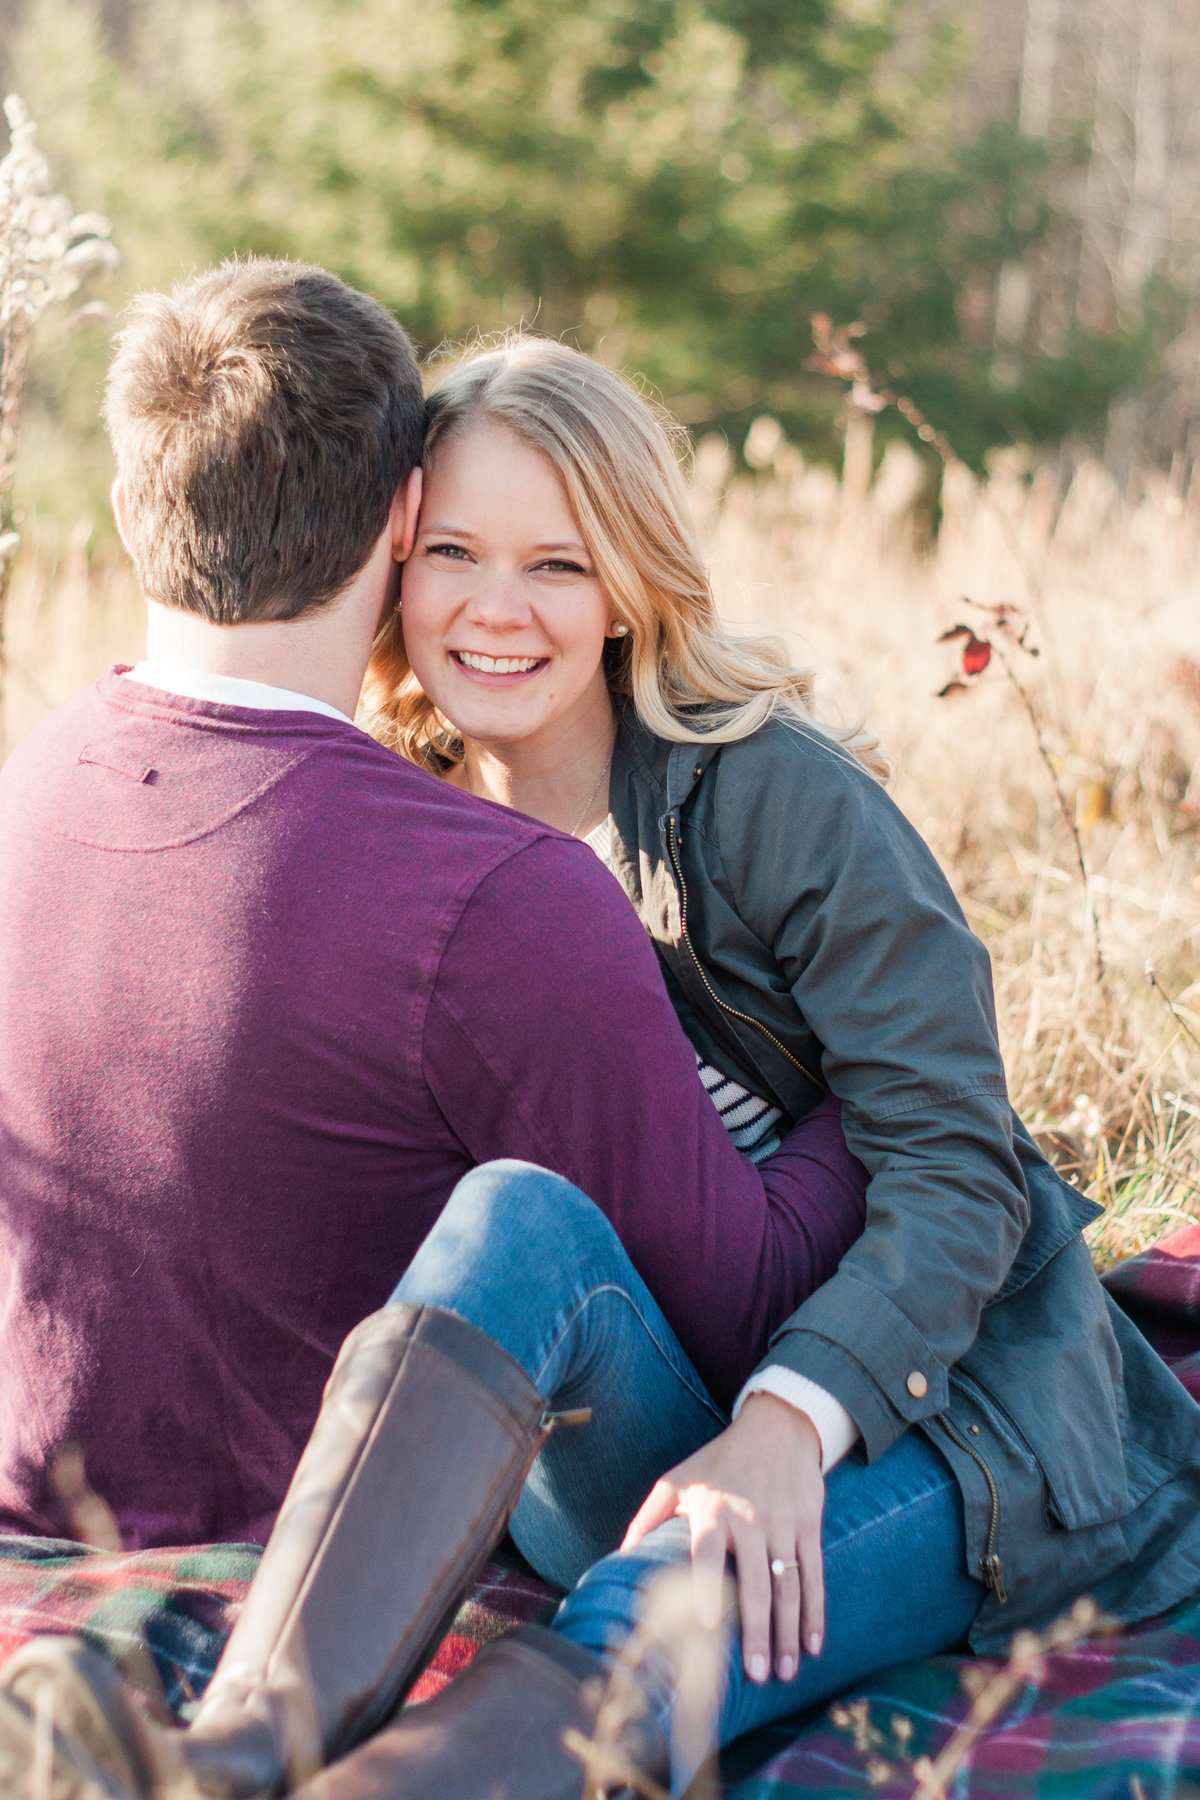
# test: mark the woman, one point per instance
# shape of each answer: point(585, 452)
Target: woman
point(558, 650)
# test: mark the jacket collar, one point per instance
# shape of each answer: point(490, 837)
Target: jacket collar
point(671, 770)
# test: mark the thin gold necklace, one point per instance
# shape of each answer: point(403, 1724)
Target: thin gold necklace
point(587, 803)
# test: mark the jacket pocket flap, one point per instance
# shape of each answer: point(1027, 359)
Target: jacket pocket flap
point(1057, 1213)
point(1051, 1365)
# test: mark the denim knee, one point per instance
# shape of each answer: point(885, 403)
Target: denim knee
point(506, 1218)
point(606, 1602)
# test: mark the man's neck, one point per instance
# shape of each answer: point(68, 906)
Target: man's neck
point(323, 654)
point(295, 656)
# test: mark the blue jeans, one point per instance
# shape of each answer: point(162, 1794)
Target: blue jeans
point(527, 1258)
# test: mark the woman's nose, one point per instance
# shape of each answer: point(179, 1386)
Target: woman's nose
point(498, 602)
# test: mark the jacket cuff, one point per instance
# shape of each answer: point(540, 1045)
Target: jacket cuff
point(887, 1382)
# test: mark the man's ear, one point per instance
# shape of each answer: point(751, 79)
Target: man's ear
point(120, 506)
point(406, 510)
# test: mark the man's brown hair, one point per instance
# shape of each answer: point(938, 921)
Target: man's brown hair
point(263, 416)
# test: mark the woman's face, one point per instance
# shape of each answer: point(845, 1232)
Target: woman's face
point(504, 615)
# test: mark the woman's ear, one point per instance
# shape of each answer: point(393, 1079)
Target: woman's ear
point(406, 510)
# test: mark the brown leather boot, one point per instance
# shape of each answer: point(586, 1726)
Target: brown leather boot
point(425, 1436)
point(495, 1733)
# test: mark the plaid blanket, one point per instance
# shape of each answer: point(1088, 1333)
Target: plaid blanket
point(1114, 1718)
point(167, 1613)
point(1160, 1290)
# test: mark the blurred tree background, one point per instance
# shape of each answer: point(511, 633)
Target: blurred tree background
point(1002, 191)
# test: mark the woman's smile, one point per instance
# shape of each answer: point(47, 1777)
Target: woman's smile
point(497, 669)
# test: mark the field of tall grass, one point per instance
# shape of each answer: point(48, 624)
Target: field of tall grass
point(1088, 750)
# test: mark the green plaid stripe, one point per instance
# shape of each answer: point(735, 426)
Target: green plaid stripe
point(179, 1607)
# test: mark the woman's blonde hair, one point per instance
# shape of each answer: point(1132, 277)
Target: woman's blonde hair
point(690, 679)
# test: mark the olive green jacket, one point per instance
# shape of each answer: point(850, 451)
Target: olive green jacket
point(808, 938)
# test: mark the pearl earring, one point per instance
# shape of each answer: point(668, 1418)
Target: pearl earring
point(620, 629)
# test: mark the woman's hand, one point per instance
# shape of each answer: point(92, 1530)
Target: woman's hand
point(755, 1492)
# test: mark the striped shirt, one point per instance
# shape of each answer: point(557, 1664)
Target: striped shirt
point(752, 1122)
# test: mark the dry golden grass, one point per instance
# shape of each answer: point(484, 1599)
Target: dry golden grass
point(1105, 1071)
point(70, 616)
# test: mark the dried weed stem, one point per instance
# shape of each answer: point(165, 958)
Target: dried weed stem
point(46, 251)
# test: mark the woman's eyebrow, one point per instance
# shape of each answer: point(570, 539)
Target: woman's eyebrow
point(446, 528)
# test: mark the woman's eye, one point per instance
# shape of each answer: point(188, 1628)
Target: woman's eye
point(454, 551)
point(557, 566)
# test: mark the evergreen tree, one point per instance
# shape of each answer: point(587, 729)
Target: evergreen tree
point(676, 184)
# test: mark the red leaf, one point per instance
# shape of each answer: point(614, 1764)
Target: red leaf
point(977, 654)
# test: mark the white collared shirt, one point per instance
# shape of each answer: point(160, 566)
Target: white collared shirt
point(227, 690)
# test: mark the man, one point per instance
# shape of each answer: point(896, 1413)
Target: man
point(267, 993)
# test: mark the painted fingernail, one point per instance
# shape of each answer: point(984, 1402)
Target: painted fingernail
point(787, 1668)
point(813, 1645)
point(758, 1668)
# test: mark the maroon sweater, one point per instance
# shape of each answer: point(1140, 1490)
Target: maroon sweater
point(266, 993)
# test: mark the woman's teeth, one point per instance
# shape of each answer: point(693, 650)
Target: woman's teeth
point(498, 665)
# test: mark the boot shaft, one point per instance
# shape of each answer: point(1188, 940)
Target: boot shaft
point(425, 1436)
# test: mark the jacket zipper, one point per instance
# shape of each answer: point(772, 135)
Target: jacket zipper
point(703, 973)
point(989, 1562)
